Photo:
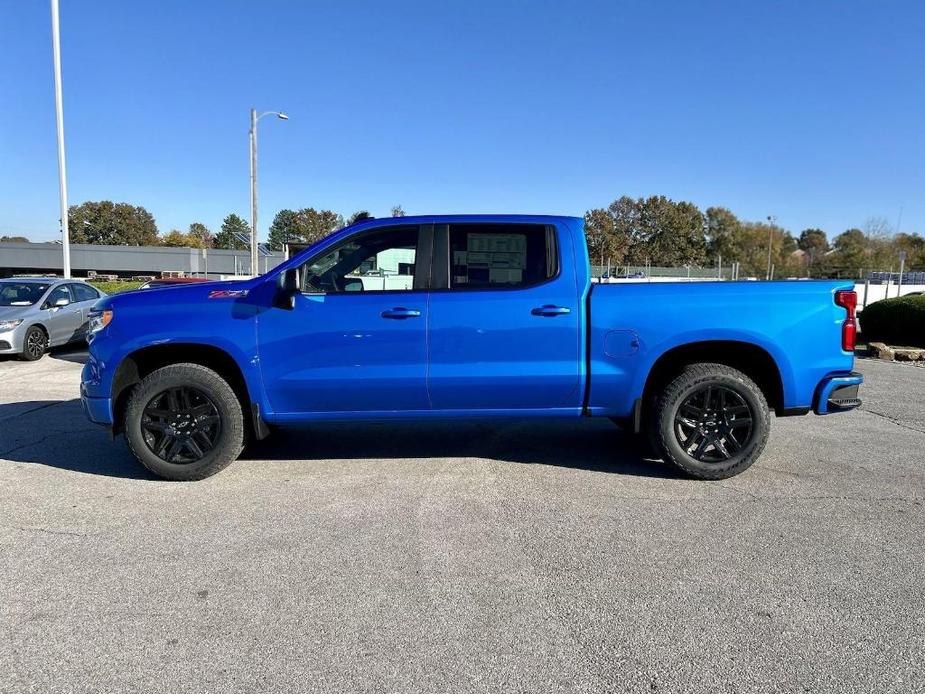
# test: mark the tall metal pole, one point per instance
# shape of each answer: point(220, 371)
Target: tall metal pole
point(902, 268)
point(254, 269)
point(59, 118)
point(771, 220)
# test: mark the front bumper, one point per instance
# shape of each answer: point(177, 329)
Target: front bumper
point(11, 340)
point(838, 393)
point(98, 410)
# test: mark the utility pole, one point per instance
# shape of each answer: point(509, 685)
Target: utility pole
point(59, 118)
point(253, 139)
point(255, 270)
point(771, 220)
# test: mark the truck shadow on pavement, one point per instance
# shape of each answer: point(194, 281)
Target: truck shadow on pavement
point(56, 434)
point(76, 354)
point(593, 445)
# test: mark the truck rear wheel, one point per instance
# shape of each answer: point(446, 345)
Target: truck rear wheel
point(711, 421)
point(184, 422)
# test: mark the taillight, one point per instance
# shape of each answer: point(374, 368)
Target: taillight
point(849, 301)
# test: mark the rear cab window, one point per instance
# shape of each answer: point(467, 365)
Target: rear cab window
point(501, 256)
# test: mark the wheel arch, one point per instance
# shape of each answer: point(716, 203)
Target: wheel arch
point(138, 364)
point(749, 358)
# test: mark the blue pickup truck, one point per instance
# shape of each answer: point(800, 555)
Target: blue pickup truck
point(464, 316)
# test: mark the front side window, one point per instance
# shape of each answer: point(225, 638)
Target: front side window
point(496, 256)
point(381, 260)
point(58, 293)
point(21, 293)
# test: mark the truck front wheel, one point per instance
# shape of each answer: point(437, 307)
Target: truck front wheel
point(184, 422)
point(711, 421)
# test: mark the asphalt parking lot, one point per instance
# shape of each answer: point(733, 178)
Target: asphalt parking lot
point(462, 557)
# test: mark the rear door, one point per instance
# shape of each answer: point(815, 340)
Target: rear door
point(504, 330)
point(84, 298)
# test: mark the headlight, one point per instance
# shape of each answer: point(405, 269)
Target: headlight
point(9, 324)
point(99, 320)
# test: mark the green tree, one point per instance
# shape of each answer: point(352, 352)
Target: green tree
point(599, 234)
point(397, 211)
point(625, 214)
point(359, 216)
point(109, 223)
point(724, 234)
point(302, 226)
point(753, 251)
point(17, 239)
point(199, 236)
point(283, 230)
point(227, 238)
point(913, 246)
point(850, 251)
point(668, 233)
point(815, 244)
point(175, 238)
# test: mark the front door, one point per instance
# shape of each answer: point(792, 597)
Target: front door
point(62, 316)
point(505, 331)
point(355, 341)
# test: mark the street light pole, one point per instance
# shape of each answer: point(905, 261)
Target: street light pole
point(59, 118)
point(253, 142)
point(771, 220)
point(255, 270)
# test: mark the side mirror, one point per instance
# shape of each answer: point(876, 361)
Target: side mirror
point(287, 290)
point(62, 302)
point(353, 284)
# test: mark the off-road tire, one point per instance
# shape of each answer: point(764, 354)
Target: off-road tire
point(230, 440)
point(662, 426)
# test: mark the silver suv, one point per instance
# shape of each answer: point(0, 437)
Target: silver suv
point(43, 312)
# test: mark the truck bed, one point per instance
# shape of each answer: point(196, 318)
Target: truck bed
point(633, 327)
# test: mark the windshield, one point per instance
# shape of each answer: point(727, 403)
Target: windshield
point(21, 293)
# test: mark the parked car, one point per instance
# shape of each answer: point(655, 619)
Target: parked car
point(38, 313)
point(500, 319)
point(172, 282)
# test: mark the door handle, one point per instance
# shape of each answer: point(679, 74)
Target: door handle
point(400, 313)
point(550, 310)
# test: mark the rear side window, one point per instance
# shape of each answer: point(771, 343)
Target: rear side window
point(499, 256)
point(84, 293)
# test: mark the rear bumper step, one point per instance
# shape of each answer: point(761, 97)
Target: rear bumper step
point(838, 394)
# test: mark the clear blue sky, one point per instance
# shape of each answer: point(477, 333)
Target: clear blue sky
point(811, 111)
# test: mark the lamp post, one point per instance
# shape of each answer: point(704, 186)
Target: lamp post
point(59, 120)
point(253, 141)
point(771, 220)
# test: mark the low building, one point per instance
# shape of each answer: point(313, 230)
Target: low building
point(17, 258)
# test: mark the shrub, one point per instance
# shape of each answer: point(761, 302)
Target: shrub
point(899, 321)
point(116, 287)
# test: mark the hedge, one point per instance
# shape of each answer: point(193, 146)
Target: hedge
point(899, 321)
point(116, 287)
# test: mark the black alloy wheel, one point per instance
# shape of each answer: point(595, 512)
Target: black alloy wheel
point(181, 425)
point(711, 421)
point(713, 424)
